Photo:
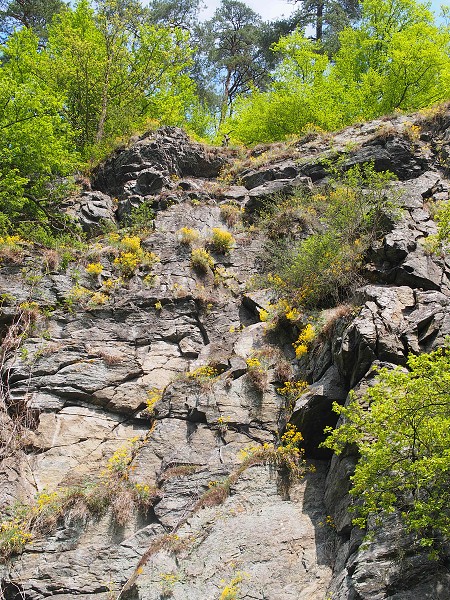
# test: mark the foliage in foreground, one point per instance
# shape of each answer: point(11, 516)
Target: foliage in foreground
point(403, 438)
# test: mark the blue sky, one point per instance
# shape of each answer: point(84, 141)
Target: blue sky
point(271, 9)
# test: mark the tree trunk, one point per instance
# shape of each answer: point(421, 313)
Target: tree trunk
point(319, 21)
point(226, 94)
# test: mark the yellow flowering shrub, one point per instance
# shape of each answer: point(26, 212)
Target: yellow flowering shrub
point(292, 391)
point(110, 284)
point(127, 263)
point(221, 241)
point(306, 336)
point(263, 315)
point(98, 298)
point(188, 235)
point(153, 397)
point(10, 242)
point(201, 260)
point(253, 363)
point(288, 454)
point(203, 373)
point(131, 244)
point(231, 590)
point(13, 536)
point(94, 268)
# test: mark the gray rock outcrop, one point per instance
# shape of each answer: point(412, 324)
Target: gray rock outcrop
point(83, 375)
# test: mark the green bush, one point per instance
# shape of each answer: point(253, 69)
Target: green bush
point(403, 439)
point(325, 268)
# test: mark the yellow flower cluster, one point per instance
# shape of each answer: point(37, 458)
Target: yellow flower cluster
point(10, 240)
point(44, 500)
point(13, 536)
point(78, 292)
point(127, 262)
point(109, 283)
point(221, 240)
point(153, 397)
point(201, 260)
point(132, 255)
point(188, 235)
point(203, 373)
point(98, 298)
point(275, 280)
point(113, 237)
point(253, 363)
point(304, 339)
point(131, 244)
point(94, 268)
point(292, 314)
point(263, 315)
point(231, 590)
point(292, 438)
point(293, 389)
point(144, 492)
point(288, 454)
point(120, 461)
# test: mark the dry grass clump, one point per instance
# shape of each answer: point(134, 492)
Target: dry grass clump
point(51, 259)
point(387, 131)
point(256, 158)
point(231, 213)
point(188, 236)
point(283, 370)
point(178, 471)
point(332, 316)
point(110, 358)
point(217, 493)
point(435, 118)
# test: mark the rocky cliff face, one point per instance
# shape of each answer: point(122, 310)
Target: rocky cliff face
point(76, 390)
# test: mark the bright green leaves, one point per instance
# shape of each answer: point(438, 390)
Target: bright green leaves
point(103, 74)
point(402, 430)
point(117, 72)
point(35, 140)
point(396, 59)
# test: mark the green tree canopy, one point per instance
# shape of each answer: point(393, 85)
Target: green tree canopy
point(402, 430)
point(117, 72)
point(232, 43)
point(33, 14)
point(35, 142)
point(396, 59)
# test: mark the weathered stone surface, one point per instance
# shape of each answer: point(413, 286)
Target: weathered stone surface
point(254, 534)
point(312, 412)
point(85, 375)
point(270, 189)
point(93, 210)
point(169, 151)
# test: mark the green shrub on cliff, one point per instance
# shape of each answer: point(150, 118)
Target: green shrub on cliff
point(348, 216)
point(401, 428)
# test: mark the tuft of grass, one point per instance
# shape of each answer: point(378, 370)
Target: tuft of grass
point(201, 260)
